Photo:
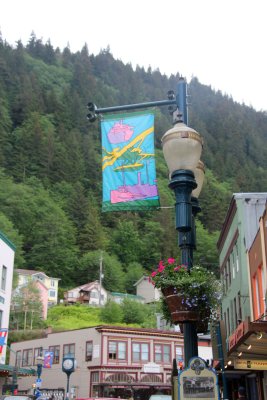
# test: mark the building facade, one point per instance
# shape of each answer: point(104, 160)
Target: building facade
point(48, 289)
point(242, 257)
point(91, 293)
point(146, 290)
point(7, 254)
point(111, 360)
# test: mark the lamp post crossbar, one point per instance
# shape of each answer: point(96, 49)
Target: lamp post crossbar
point(137, 106)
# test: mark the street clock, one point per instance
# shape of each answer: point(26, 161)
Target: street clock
point(68, 364)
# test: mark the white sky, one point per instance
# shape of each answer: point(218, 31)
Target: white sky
point(221, 42)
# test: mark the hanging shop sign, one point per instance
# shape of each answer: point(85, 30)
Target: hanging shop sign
point(250, 364)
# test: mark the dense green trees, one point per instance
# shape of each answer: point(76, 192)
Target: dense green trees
point(50, 198)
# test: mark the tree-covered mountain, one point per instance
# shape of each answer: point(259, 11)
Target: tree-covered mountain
point(50, 160)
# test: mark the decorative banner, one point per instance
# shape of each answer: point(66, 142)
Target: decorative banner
point(128, 163)
point(3, 335)
point(48, 359)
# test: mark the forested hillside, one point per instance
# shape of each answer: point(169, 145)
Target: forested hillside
point(50, 159)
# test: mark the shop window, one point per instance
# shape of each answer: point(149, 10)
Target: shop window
point(237, 260)
point(69, 349)
point(27, 358)
point(239, 306)
point(95, 377)
point(228, 321)
point(229, 272)
point(55, 350)
point(3, 279)
point(117, 350)
point(233, 264)
point(89, 351)
point(18, 358)
point(162, 353)
point(140, 352)
point(179, 353)
point(258, 296)
point(38, 352)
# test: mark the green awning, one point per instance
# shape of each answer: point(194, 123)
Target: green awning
point(20, 371)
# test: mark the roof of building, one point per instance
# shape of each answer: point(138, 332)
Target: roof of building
point(24, 285)
point(116, 328)
point(87, 287)
point(32, 272)
point(143, 278)
point(126, 295)
point(7, 241)
point(255, 199)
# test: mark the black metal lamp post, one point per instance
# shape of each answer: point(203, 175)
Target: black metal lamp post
point(39, 369)
point(182, 147)
point(40, 361)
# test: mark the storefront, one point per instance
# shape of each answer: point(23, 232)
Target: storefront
point(247, 359)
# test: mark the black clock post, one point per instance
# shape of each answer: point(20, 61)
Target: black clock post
point(68, 366)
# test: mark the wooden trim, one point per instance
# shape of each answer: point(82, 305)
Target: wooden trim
point(227, 223)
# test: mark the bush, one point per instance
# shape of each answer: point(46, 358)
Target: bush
point(111, 313)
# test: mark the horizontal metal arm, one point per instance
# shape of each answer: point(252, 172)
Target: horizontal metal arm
point(94, 111)
point(135, 106)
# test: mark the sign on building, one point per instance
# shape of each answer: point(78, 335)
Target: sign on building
point(152, 368)
point(251, 364)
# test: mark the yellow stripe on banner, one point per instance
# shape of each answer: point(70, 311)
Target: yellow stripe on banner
point(116, 153)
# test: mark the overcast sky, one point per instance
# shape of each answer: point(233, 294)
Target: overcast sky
point(221, 42)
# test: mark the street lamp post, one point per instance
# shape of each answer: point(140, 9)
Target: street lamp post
point(39, 369)
point(40, 361)
point(182, 147)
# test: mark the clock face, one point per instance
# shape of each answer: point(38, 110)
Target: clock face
point(68, 364)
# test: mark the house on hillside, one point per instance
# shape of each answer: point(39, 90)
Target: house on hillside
point(25, 292)
point(48, 286)
point(91, 293)
point(145, 289)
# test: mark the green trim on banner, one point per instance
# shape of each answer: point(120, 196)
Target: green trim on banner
point(137, 205)
point(124, 115)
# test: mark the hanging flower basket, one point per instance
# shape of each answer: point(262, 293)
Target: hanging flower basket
point(188, 295)
point(178, 306)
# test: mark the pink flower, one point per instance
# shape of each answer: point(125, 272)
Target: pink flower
point(161, 267)
point(177, 268)
point(171, 260)
point(154, 273)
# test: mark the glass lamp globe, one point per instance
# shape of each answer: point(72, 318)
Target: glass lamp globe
point(182, 147)
point(199, 173)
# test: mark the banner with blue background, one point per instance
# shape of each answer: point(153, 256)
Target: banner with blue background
point(128, 163)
